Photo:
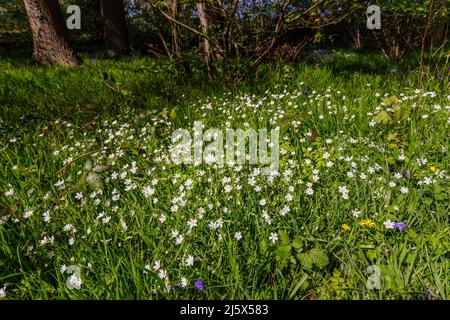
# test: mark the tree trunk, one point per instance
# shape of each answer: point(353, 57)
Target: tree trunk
point(50, 41)
point(176, 40)
point(205, 45)
point(115, 30)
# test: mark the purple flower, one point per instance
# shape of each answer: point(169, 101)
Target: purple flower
point(199, 284)
point(400, 226)
point(406, 174)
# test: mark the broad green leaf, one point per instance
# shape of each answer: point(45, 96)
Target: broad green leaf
point(305, 260)
point(297, 243)
point(383, 117)
point(389, 100)
point(284, 237)
point(319, 257)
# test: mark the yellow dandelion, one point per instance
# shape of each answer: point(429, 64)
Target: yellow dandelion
point(433, 168)
point(368, 223)
point(346, 227)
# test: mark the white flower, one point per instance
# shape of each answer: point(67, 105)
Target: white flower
point(9, 192)
point(192, 223)
point(74, 281)
point(284, 210)
point(123, 224)
point(2, 292)
point(179, 239)
point(46, 216)
point(404, 190)
point(189, 261)
point(71, 241)
point(184, 282)
point(148, 191)
point(162, 218)
point(79, 196)
point(273, 237)
point(59, 184)
point(106, 219)
point(63, 268)
point(389, 224)
point(238, 236)
point(162, 274)
point(47, 240)
point(27, 214)
point(157, 265)
point(309, 191)
point(356, 213)
point(69, 227)
point(344, 192)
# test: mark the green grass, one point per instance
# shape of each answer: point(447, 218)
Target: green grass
point(58, 124)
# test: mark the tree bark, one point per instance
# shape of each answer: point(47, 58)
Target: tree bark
point(205, 45)
point(176, 40)
point(50, 40)
point(115, 30)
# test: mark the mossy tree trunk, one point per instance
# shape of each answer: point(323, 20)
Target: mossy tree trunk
point(50, 40)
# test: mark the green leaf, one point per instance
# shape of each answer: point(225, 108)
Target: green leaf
point(297, 243)
point(283, 252)
point(305, 260)
point(389, 100)
point(173, 114)
point(298, 285)
point(319, 257)
point(284, 237)
point(383, 117)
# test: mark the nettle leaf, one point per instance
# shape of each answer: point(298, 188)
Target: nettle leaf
point(383, 117)
point(305, 260)
point(283, 252)
point(297, 244)
point(319, 257)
